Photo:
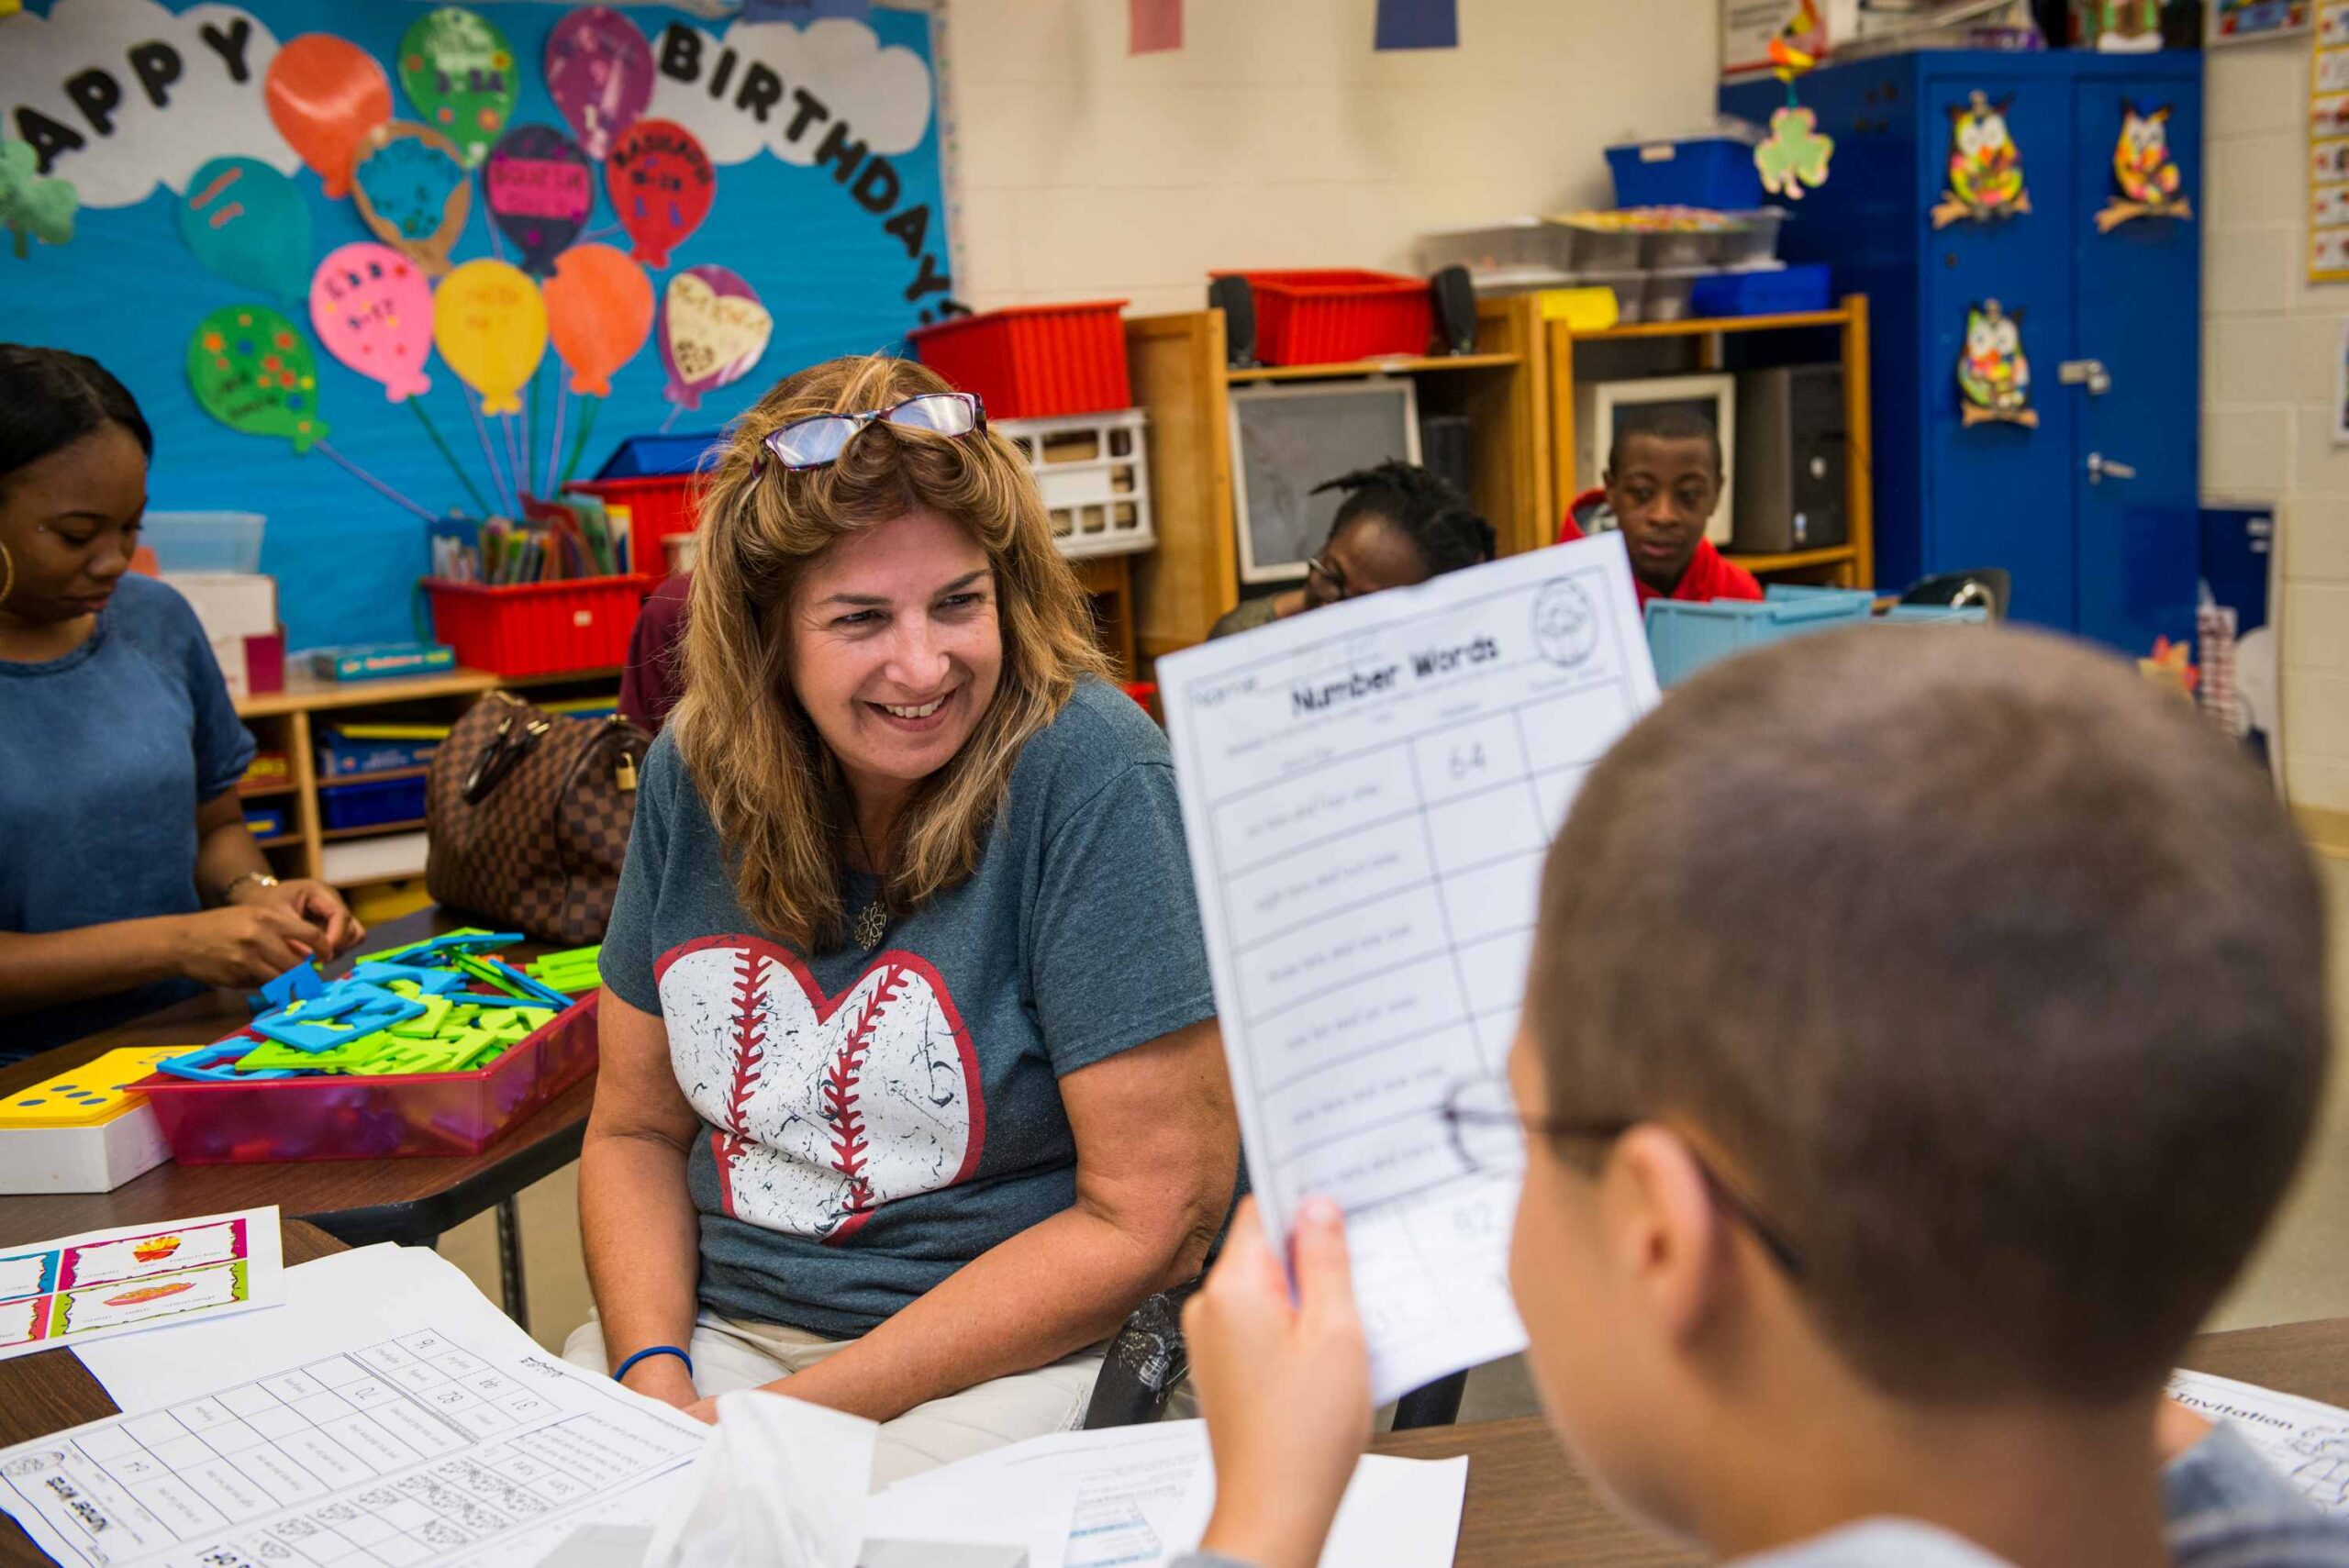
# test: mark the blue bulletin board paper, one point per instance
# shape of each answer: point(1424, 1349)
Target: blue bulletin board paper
point(830, 202)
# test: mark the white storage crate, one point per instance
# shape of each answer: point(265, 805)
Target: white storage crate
point(1094, 471)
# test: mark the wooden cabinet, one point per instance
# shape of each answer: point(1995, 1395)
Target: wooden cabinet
point(1180, 378)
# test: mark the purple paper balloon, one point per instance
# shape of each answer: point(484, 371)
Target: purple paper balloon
point(713, 329)
point(540, 187)
point(599, 73)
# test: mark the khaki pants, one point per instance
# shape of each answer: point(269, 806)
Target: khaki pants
point(729, 1356)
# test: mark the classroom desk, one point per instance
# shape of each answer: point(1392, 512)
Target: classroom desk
point(358, 1201)
point(1526, 1503)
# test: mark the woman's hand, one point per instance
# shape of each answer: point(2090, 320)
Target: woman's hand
point(313, 902)
point(244, 945)
point(1285, 1387)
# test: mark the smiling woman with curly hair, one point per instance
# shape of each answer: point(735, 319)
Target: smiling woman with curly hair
point(911, 1089)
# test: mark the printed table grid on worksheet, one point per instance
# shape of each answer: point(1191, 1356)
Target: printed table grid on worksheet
point(1380, 901)
point(417, 1422)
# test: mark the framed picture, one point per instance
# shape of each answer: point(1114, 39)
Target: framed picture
point(2241, 21)
point(1287, 441)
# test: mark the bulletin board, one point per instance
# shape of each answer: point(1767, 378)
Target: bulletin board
point(829, 207)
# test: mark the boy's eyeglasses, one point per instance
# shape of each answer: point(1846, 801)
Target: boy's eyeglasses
point(1488, 1134)
point(817, 442)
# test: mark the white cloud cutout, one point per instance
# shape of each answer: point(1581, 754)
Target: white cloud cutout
point(206, 113)
point(881, 93)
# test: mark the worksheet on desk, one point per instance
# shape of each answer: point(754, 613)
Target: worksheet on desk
point(435, 1445)
point(1368, 792)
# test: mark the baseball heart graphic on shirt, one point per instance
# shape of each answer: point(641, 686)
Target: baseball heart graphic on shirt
point(826, 1108)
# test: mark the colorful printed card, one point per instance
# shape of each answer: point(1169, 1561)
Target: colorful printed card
point(141, 1276)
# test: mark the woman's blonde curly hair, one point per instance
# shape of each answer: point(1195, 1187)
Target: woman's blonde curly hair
point(772, 788)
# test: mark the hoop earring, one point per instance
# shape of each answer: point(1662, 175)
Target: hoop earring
point(8, 583)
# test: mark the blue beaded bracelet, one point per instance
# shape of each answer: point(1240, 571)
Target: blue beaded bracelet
point(654, 1350)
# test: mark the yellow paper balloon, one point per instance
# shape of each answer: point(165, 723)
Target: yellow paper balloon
point(490, 323)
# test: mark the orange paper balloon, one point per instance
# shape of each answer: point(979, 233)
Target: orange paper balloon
point(599, 312)
point(324, 93)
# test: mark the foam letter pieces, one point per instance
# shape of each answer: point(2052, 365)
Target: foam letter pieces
point(490, 324)
point(253, 371)
point(661, 184)
point(372, 310)
point(599, 311)
point(458, 72)
point(324, 94)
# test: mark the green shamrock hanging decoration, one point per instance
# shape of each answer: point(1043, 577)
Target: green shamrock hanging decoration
point(1794, 154)
point(33, 208)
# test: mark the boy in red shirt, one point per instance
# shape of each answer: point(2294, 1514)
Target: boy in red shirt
point(1663, 479)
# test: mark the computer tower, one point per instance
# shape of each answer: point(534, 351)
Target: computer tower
point(1792, 461)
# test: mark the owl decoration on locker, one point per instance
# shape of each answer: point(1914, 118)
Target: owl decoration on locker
point(1993, 371)
point(1986, 180)
point(2145, 170)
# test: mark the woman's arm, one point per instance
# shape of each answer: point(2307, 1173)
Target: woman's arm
point(1157, 1150)
point(636, 1216)
point(228, 865)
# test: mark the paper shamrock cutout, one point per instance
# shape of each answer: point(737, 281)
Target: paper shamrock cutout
point(1794, 154)
point(2145, 170)
point(1993, 373)
point(1985, 165)
point(33, 208)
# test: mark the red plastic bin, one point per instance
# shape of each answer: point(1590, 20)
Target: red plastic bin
point(1034, 362)
point(658, 505)
point(539, 628)
point(1331, 317)
point(350, 1117)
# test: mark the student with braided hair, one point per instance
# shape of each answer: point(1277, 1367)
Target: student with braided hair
point(1399, 525)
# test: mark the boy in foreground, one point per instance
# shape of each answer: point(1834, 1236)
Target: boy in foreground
point(1921, 1030)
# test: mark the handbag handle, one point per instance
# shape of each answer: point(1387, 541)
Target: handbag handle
point(518, 732)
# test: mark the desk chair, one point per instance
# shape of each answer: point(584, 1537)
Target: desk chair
point(1148, 1358)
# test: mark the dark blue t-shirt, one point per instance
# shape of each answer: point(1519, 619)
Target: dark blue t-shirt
point(872, 1122)
point(104, 755)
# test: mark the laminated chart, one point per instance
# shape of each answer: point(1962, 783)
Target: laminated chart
point(406, 1451)
point(115, 1281)
point(1368, 792)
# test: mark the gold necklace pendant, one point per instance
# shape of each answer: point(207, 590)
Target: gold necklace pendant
point(871, 924)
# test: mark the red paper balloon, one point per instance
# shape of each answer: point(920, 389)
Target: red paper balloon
point(661, 184)
point(324, 94)
point(599, 312)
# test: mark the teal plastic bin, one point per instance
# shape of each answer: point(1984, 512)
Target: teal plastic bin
point(1937, 614)
point(1684, 637)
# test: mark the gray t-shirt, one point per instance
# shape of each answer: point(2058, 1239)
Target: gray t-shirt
point(875, 1120)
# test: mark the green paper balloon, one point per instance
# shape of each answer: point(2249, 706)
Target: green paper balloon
point(254, 372)
point(459, 70)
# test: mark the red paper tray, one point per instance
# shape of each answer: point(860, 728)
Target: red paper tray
point(344, 1118)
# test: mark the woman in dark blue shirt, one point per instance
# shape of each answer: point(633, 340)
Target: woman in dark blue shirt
point(128, 880)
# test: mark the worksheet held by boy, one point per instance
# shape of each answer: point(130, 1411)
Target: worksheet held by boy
point(1368, 791)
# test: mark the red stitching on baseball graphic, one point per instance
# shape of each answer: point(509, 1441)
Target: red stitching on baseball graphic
point(750, 1047)
point(849, 1146)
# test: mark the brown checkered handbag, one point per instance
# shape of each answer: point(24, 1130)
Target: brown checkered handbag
point(528, 816)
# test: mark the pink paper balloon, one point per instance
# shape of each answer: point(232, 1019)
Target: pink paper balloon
point(372, 309)
point(599, 73)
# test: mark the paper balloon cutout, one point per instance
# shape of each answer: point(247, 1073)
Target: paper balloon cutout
point(490, 324)
point(599, 73)
point(253, 371)
point(411, 190)
point(599, 312)
point(459, 73)
point(324, 93)
point(372, 310)
point(713, 329)
point(249, 223)
point(32, 208)
point(661, 184)
point(540, 188)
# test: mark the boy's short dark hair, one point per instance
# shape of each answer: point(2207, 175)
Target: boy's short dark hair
point(1993, 976)
point(1665, 422)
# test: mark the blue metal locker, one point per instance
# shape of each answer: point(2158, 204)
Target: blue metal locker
point(2094, 511)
